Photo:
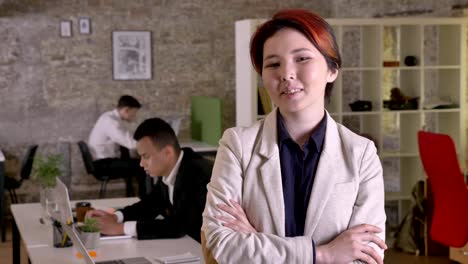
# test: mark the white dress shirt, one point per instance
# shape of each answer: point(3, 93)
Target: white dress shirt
point(130, 226)
point(108, 134)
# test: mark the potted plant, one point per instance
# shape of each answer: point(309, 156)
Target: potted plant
point(89, 233)
point(45, 171)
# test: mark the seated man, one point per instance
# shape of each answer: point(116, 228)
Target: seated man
point(175, 205)
point(110, 136)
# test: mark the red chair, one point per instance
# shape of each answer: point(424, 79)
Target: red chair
point(450, 216)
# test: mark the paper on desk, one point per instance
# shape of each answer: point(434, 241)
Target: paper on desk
point(110, 237)
point(182, 258)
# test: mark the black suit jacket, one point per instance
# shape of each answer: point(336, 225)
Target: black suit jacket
point(184, 217)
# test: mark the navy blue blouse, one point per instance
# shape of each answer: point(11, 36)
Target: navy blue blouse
point(298, 167)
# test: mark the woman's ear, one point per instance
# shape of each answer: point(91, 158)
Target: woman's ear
point(332, 75)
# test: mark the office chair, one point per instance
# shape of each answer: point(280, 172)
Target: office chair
point(450, 216)
point(207, 255)
point(12, 184)
point(104, 174)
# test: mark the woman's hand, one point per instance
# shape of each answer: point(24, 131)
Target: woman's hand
point(239, 222)
point(353, 244)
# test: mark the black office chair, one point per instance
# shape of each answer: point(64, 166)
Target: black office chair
point(12, 184)
point(104, 174)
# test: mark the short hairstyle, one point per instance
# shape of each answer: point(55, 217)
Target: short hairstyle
point(160, 133)
point(128, 101)
point(314, 27)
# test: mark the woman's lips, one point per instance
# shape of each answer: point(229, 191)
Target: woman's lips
point(292, 91)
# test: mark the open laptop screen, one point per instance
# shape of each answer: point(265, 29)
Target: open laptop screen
point(62, 200)
point(70, 230)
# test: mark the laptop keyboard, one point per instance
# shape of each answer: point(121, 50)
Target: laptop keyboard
point(139, 260)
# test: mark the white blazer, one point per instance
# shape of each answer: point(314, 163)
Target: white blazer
point(347, 191)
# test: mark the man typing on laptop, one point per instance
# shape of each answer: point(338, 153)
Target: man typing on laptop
point(175, 205)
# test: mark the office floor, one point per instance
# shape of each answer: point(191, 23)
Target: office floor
point(6, 249)
point(391, 256)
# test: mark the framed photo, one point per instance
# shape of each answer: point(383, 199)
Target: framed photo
point(131, 55)
point(65, 28)
point(85, 25)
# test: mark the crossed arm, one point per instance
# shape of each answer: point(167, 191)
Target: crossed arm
point(348, 246)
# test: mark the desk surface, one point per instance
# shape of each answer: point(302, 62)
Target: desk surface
point(199, 146)
point(37, 238)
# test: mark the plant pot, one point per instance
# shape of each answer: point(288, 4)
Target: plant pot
point(89, 240)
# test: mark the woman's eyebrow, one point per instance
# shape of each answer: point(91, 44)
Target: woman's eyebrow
point(270, 57)
point(293, 52)
point(301, 49)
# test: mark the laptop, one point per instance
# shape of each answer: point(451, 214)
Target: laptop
point(70, 229)
point(62, 201)
point(65, 217)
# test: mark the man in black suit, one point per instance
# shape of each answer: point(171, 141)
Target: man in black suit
point(175, 205)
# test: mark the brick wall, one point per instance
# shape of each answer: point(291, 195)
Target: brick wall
point(52, 89)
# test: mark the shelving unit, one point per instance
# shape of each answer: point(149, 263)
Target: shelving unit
point(438, 44)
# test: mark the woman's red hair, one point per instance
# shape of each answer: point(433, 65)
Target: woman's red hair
point(314, 27)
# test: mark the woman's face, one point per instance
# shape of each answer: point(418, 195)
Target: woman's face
point(294, 72)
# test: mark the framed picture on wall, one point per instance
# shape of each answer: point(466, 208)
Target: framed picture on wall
point(131, 55)
point(65, 28)
point(85, 25)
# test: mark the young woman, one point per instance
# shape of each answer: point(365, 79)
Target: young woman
point(295, 187)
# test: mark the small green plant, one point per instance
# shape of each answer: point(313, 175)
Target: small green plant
point(45, 170)
point(90, 225)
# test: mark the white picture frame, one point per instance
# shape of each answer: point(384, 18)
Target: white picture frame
point(65, 28)
point(84, 24)
point(131, 55)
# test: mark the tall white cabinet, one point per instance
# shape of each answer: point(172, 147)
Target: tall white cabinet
point(438, 44)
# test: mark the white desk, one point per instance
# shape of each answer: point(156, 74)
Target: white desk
point(37, 238)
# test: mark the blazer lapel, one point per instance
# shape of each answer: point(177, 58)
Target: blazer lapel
point(325, 177)
point(179, 181)
point(270, 173)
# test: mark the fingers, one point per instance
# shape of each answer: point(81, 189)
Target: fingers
point(371, 255)
point(230, 210)
point(365, 228)
point(235, 224)
point(95, 213)
point(237, 220)
point(375, 239)
point(237, 206)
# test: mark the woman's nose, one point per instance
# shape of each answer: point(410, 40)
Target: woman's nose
point(288, 73)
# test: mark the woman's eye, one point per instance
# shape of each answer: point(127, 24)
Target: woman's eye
point(272, 65)
point(301, 59)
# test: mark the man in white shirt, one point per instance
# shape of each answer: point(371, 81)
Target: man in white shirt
point(110, 135)
point(175, 205)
